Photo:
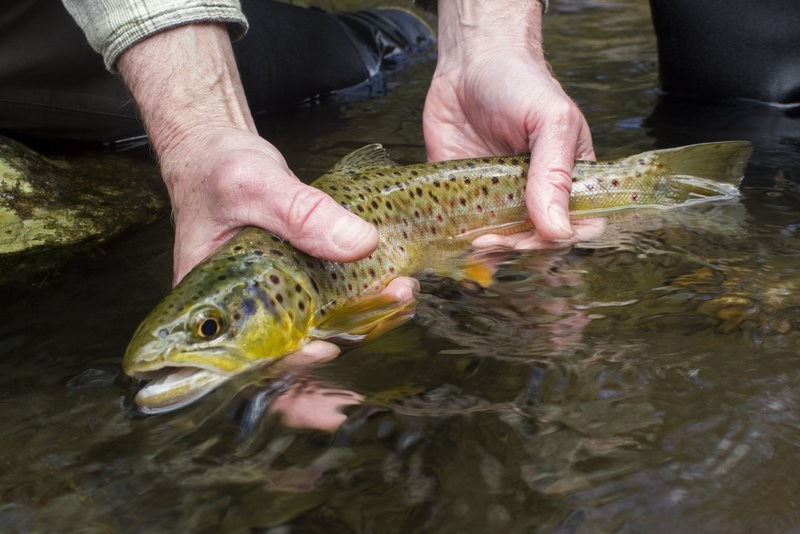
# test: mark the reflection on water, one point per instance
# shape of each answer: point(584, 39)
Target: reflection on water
point(644, 381)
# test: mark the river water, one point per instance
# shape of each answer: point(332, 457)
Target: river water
point(645, 382)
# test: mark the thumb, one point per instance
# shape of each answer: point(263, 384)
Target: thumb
point(315, 223)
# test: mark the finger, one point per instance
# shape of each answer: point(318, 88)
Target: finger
point(496, 240)
point(550, 176)
point(314, 222)
point(314, 352)
point(584, 230)
point(402, 289)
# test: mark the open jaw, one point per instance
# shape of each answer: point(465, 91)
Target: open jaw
point(171, 388)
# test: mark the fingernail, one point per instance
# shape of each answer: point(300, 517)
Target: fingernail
point(350, 231)
point(560, 220)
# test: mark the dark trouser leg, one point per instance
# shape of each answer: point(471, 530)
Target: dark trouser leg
point(53, 85)
point(729, 48)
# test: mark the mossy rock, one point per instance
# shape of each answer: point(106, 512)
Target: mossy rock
point(51, 206)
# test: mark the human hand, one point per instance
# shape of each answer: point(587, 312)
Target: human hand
point(220, 174)
point(493, 94)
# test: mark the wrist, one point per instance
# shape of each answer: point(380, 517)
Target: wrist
point(186, 85)
point(469, 30)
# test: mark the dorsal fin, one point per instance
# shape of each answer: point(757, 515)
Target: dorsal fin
point(373, 155)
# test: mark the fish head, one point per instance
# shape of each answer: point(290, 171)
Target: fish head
point(232, 313)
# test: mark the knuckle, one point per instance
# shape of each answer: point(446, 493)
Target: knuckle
point(301, 210)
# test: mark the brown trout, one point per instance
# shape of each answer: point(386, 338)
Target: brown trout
point(258, 298)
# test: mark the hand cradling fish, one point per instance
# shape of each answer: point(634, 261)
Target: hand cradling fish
point(257, 298)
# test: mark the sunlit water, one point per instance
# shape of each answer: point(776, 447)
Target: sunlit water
point(644, 382)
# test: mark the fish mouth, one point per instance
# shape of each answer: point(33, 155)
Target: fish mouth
point(171, 388)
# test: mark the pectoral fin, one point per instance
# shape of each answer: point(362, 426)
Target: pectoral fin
point(364, 318)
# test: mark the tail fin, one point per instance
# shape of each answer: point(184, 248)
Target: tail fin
point(721, 162)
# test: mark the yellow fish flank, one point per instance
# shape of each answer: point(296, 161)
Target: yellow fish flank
point(258, 298)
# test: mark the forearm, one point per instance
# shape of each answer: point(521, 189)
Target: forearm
point(185, 82)
point(467, 28)
point(112, 26)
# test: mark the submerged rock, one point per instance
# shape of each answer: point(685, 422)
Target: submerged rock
point(49, 207)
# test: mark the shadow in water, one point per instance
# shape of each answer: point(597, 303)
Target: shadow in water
point(773, 130)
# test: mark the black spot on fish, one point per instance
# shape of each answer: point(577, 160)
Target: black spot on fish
point(501, 161)
point(419, 191)
point(222, 277)
point(485, 190)
point(274, 279)
point(301, 305)
point(237, 316)
point(360, 208)
point(437, 183)
point(388, 205)
point(462, 201)
point(374, 204)
point(346, 187)
point(315, 286)
point(237, 248)
point(495, 180)
point(414, 173)
point(298, 288)
point(259, 252)
point(275, 238)
point(467, 180)
point(334, 188)
point(372, 272)
point(471, 165)
point(416, 213)
point(279, 298)
point(451, 177)
point(334, 276)
point(514, 161)
point(276, 252)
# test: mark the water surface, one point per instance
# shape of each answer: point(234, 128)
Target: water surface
point(644, 382)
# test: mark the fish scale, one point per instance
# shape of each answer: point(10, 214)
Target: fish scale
point(258, 298)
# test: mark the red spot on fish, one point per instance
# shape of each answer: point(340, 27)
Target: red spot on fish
point(462, 230)
point(405, 222)
point(401, 248)
point(615, 182)
point(349, 287)
point(491, 213)
point(479, 208)
point(590, 187)
point(439, 218)
point(511, 196)
point(366, 286)
point(634, 196)
point(405, 235)
point(391, 270)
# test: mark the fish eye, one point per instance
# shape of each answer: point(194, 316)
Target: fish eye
point(208, 324)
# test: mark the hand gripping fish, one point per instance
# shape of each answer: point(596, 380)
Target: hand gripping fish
point(257, 298)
